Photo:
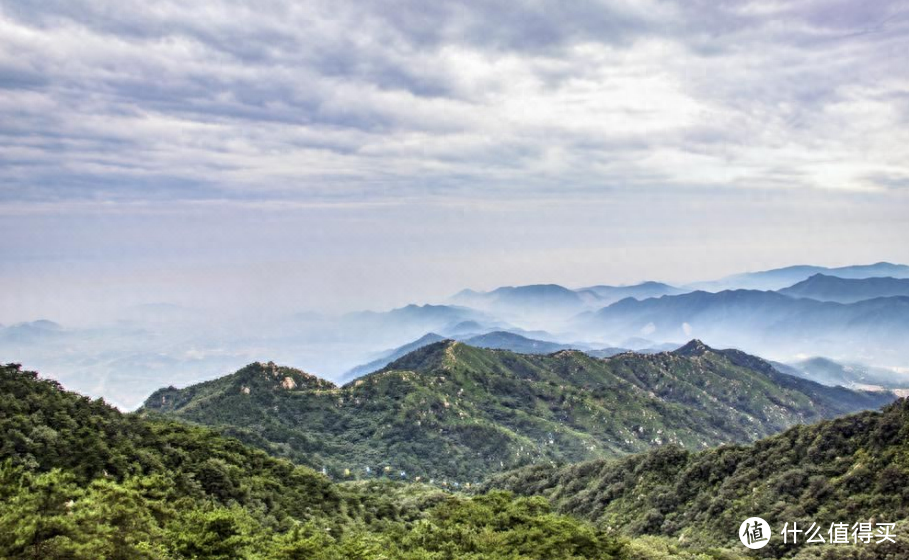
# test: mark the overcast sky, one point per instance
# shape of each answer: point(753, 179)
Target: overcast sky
point(342, 155)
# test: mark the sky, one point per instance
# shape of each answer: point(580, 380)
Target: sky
point(286, 156)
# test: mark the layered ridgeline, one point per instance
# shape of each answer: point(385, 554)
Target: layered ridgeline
point(845, 470)
point(81, 481)
point(455, 413)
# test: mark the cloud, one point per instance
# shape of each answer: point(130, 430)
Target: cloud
point(319, 101)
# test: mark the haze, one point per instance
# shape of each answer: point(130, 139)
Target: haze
point(253, 160)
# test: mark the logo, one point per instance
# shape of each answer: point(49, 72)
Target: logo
point(754, 533)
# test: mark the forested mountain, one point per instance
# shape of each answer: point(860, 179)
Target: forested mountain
point(844, 470)
point(449, 411)
point(497, 340)
point(81, 481)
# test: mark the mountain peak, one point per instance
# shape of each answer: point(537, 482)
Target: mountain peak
point(693, 348)
point(271, 375)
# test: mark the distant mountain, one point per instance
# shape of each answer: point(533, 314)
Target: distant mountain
point(765, 321)
point(542, 299)
point(606, 352)
point(501, 340)
point(31, 332)
point(537, 305)
point(548, 295)
point(612, 294)
point(830, 372)
point(847, 290)
point(437, 314)
point(466, 328)
point(497, 340)
point(457, 411)
point(779, 278)
point(849, 468)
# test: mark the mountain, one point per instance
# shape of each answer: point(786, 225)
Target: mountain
point(450, 410)
point(550, 296)
point(844, 470)
point(846, 290)
point(390, 356)
point(502, 340)
point(80, 480)
point(779, 278)
point(606, 352)
point(767, 322)
point(410, 321)
point(32, 332)
point(830, 372)
point(498, 340)
point(535, 306)
point(612, 294)
point(552, 300)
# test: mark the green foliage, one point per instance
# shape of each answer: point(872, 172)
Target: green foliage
point(845, 470)
point(79, 480)
point(152, 489)
point(455, 413)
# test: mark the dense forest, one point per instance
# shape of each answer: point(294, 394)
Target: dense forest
point(80, 480)
point(849, 469)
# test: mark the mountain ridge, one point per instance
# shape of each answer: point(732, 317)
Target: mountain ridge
point(452, 410)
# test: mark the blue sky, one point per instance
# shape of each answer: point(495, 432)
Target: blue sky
point(341, 155)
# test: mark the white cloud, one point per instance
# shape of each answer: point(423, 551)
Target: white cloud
point(317, 100)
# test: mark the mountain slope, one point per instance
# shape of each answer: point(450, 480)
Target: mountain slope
point(452, 410)
point(498, 340)
point(80, 480)
point(844, 470)
point(390, 356)
point(847, 290)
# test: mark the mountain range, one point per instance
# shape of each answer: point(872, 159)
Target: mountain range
point(779, 278)
point(846, 290)
point(79, 479)
point(449, 410)
point(788, 321)
point(766, 322)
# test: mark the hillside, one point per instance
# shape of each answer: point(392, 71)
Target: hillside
point(81, 481)
point(843, 470)
point(847, 290)
point(456, 412)
point(497, 340)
